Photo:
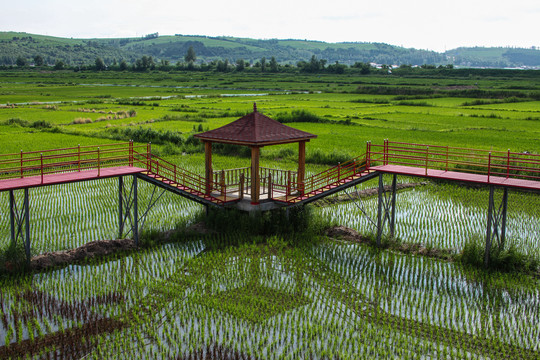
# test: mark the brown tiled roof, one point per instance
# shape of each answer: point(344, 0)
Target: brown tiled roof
point(255, 129)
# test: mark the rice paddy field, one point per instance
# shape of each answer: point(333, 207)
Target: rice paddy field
point(281, 296)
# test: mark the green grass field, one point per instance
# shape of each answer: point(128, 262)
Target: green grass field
point(268, 296)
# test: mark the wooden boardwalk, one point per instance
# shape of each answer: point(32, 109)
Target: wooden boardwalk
point(231, 188)
point(459, 176)
point(67, 177)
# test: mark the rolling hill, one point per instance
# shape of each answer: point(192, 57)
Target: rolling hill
point(174, 47)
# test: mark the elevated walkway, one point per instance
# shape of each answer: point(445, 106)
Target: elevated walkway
point(278, 188)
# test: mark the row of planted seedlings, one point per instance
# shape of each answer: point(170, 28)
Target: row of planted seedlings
point(68, 216)
point(281, 302)
point(284, 301)
point(446, 216)
point(50, 312)
point(263, 303)
point(466, 311)
point(243, 301)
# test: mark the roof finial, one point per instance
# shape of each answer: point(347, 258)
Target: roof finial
point(254, 107)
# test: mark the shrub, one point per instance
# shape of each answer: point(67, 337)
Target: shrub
point(82, 121)
point(300, 116)
point(317, 156)
point(13, 258)
point(509, 259)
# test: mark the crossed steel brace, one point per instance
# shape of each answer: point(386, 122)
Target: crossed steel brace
point(386, 209)
point(496, 223)
point(18, 219)
point(128, 208)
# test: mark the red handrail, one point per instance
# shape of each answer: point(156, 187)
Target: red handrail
point(485, 162)
point(284, 185)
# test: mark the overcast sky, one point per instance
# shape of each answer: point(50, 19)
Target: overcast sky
point(422, 24)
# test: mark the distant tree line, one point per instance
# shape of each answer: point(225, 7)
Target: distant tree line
point(190, 63)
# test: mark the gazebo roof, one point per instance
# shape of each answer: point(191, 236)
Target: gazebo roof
point(255, 129)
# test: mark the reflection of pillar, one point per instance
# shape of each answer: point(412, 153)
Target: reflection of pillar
point(299, 279)
point(254, 271)
point(255, 177)
point(208, 166)
point(301, 165)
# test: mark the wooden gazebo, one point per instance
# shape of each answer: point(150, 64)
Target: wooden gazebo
point(255, 130)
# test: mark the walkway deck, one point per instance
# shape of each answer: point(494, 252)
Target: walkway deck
point(282, 188)
point(67, 177)
point(459, 176)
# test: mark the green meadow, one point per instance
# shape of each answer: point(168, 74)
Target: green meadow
point(254, 291)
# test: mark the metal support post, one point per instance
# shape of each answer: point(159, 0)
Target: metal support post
point(496, 223)
point(120, 207)
point(19, 219)
point(379, 210)
point(386, 210)
point(128, 208)
point(393, 216)
point(504, 210)
point(27, 225)
point(488, 234)
point(135, 212)
point(12, 214)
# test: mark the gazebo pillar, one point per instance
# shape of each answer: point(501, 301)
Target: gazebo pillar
point(208, 166)
point(255, 177)
point(301, 165)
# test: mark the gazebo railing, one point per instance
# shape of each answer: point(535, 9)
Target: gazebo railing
point(231, 178)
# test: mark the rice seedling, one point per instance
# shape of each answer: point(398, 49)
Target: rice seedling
point(265, 295)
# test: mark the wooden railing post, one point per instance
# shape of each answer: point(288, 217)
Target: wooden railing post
point(446, 158)
point(368, 154)
point(175, 174)
point(222, 182)
point(79, 157)
point(270, 184)
point(42, 168)
point(130, 152)
point(241, 186)
point(22, 174)
point(98, 163)
point(288, 184)
point(508, 165)
point(427, 155)
point(338, 171)
point(148, 156)
point(489, 166)
point(386, 151)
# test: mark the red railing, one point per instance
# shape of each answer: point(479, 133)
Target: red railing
point(325, 180)
point(74, 159)
point(504, 164)
point(282, 185)
point(188, 181)
point(267, 176)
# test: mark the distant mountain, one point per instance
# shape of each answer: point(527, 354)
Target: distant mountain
point(173, 48)
point(495, 57)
